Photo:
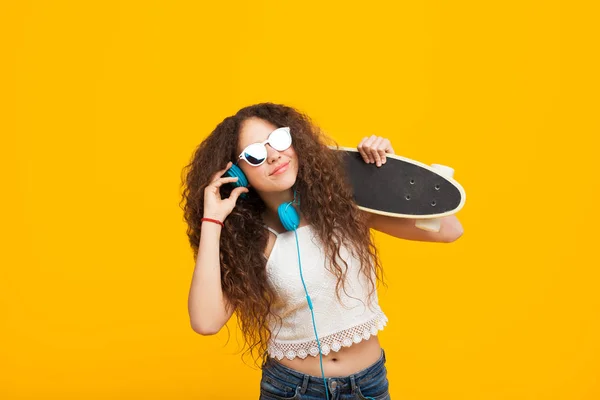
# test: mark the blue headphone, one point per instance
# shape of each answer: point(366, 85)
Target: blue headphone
point(290, 219)
point(288, 215)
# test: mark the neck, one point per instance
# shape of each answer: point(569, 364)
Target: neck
point(274, 200)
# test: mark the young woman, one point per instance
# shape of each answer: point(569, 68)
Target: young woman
point(305, 296)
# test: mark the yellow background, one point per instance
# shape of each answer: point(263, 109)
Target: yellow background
point(103, 103)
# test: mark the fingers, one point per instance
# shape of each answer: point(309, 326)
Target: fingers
point(373, 149)
point(220, 173)
point(362, 151)
point(384, 147)
point(388, 148)
point(220, 181)
point(235, 193)
point(376, 152)
point(365, 149)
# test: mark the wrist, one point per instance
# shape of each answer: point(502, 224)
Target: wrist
point(212, 220)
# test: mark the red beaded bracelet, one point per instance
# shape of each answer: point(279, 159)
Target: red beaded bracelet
point(213, 220)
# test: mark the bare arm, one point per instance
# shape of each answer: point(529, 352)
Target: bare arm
point(207, 306)
point(404, 228)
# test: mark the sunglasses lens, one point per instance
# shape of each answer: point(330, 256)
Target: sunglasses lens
point(280, 139)
point(255, 154)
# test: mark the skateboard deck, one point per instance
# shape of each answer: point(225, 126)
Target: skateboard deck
point(402, 187)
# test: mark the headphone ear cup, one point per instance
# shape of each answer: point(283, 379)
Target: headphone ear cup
point(242, 181)
point(288, 215)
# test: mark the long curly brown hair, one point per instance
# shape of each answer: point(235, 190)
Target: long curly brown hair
point(326, 202)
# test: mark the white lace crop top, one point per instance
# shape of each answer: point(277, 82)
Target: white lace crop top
point(337, 323)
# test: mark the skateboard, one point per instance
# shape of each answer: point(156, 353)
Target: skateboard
point(403, 188)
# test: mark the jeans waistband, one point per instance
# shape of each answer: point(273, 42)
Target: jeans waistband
point(285, 373)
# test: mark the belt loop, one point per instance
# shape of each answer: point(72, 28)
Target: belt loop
point(352, 384)
point(304, 384)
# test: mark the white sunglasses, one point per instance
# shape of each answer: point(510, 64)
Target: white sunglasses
point(256, 153)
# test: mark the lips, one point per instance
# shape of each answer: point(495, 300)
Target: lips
point(280, 167)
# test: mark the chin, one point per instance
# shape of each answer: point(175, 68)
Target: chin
point(287, 184)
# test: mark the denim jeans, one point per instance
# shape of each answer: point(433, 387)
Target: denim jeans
point(282, 383)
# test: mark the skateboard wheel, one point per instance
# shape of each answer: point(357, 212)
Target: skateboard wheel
point(443, 170)
point(431, 225)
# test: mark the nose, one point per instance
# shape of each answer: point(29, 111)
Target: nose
point(272, 154)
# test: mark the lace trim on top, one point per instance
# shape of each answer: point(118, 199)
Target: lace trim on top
point(331, 342)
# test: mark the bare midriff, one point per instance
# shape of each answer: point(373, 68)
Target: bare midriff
point(347, 361)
